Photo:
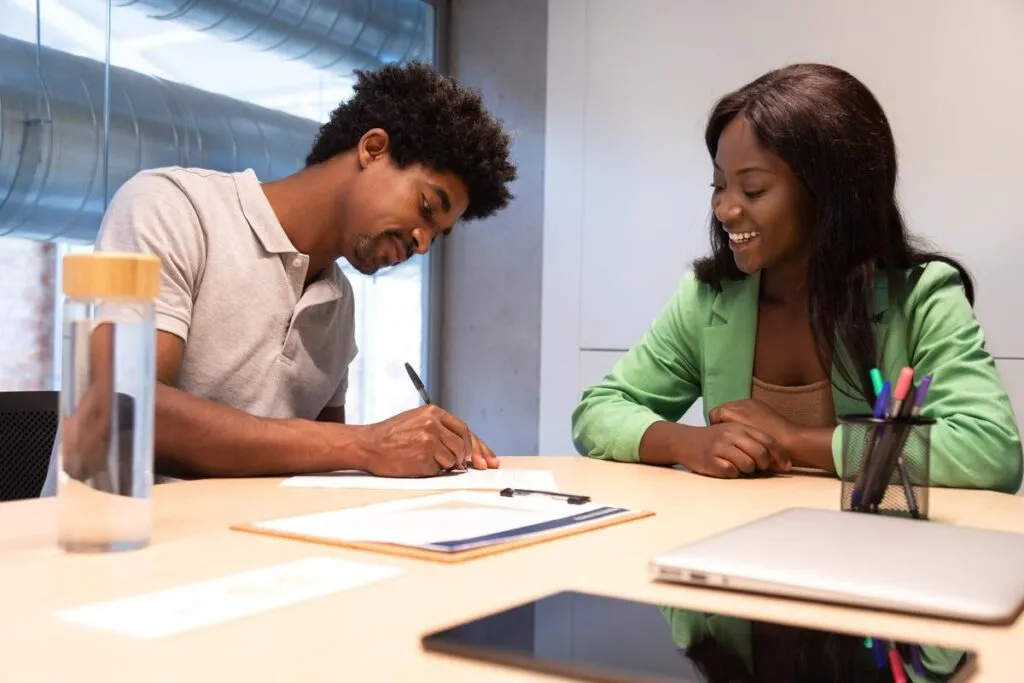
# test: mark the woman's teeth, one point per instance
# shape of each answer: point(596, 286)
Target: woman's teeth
point(741, 237)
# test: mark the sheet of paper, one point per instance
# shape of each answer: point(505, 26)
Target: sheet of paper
point(538, 480)
point(175, 610)
point(431, 519)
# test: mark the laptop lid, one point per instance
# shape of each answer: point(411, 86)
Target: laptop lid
point(867, 560)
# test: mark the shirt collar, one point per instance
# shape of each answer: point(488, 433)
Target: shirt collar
point(260, 214)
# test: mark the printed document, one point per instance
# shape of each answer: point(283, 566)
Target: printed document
point(448, 521)
point(176, 610)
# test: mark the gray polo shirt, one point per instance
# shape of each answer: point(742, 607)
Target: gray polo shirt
point(256, 338)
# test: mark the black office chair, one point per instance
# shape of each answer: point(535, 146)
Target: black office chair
point(28, 427)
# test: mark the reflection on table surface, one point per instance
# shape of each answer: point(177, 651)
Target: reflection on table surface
point(726, 649)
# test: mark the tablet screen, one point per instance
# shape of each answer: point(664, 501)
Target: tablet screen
point(598, 638)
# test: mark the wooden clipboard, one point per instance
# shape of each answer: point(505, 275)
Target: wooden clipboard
point(450, 557)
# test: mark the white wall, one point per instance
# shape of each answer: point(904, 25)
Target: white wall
point(626, 192)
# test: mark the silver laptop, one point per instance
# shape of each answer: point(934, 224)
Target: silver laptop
point(867, 560)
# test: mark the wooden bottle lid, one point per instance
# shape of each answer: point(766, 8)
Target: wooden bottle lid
point(109, 275)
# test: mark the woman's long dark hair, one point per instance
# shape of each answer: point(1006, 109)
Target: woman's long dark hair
point(832, 132)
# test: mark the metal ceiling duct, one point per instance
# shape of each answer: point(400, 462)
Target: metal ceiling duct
point(51, 138)
point(339, 35)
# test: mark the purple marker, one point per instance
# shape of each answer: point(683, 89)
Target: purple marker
point(915, 654)
point(921, 395)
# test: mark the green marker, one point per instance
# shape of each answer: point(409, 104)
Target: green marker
point(876, 381)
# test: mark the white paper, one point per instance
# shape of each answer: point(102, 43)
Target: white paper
point(175, 610)
point(431, 519)
point(538, 480)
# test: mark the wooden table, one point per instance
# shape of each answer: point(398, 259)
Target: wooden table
point(372, 633)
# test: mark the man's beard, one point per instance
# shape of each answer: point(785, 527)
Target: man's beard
point(366, 254)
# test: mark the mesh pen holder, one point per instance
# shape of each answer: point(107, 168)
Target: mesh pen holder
point(886, 465)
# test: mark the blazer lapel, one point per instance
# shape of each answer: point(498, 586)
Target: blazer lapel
point(729, 343)
point(729, 346)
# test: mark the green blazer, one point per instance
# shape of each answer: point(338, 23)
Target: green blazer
point(702, 345)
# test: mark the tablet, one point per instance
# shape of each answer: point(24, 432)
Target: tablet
point(592, 637)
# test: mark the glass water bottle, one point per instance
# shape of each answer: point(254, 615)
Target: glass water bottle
point(107, 390)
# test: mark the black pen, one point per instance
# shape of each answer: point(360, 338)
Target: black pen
point(919, 397)
point(418, 383)
point(570, 498)
point(867, 463)
point(891, 457)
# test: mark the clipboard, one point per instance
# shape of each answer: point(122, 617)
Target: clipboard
point(582, 517)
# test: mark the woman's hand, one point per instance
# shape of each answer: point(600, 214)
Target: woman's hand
point(803, 446)
point(724, 450)
point(729, 449)
point(755, 414)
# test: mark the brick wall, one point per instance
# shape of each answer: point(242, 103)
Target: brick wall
point(26, 314)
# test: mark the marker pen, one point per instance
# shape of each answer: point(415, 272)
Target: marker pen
point(876, 380)
point(903, 384)
point(896, 662)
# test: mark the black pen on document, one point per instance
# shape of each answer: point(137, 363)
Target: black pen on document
point(418, 383)
point(570, 498)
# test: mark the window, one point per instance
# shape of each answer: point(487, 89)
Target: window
point(207, 83)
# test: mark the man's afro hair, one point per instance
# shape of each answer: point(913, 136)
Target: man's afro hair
point(431, 120)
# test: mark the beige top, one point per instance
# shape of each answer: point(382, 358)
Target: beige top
point(809, 405)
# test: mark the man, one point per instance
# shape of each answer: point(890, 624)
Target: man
point(255, 320)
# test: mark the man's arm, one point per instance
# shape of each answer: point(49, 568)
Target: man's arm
point(204, 438)
point(208, 439)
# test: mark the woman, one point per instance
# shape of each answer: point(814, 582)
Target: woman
point(813, 281)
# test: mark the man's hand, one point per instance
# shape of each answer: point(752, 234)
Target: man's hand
point(422, 442)
point(86, 434)
point(753, 413)
point(481, 457)
point(86, 431)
